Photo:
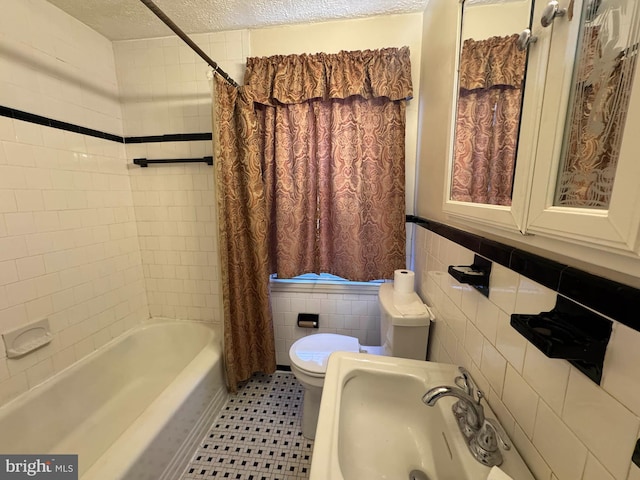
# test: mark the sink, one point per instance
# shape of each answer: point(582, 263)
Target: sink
point(374, 425)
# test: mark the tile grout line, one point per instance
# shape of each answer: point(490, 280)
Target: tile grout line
point(257, 435)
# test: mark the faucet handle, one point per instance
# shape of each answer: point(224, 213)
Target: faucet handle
point(468, 385)
point(499, 432)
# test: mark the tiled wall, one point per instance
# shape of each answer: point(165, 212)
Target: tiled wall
point(564, 426)
point(355, 314)
point(165, 90)
point(175, 213)
point(68, 240)
point(163, 83)
point(53, 65)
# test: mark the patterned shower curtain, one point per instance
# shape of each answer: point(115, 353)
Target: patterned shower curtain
point(488, 119)
point(249, 344)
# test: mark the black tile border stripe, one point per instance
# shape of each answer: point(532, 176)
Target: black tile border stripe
point(613, 299)
point(70, 127)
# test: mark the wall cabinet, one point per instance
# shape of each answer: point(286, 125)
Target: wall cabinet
point(576, 175)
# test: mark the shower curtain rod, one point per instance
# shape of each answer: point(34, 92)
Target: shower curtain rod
point(169, 23)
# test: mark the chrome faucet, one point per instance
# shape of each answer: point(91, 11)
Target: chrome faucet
point(481, 434)
point(466, 407)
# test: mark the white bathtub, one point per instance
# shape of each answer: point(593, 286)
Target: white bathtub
point(134, 409)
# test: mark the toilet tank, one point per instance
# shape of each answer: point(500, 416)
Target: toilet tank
point(404, 323)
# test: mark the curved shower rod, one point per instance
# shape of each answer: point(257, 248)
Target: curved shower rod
point(169, 23)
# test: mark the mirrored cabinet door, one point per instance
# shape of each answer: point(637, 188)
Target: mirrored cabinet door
point(501, 64)
point(586, 183)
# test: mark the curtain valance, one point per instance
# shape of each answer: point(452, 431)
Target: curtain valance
point(496, 61)
point(291, 79)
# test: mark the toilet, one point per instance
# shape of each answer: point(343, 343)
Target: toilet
point(404, 332)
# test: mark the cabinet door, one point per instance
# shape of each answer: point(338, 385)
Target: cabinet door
point(586, 184)
point(478, 125)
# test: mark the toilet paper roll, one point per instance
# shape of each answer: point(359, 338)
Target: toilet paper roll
point(404, 281)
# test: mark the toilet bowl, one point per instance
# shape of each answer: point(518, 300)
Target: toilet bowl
point(309, 364)
point(404, 331)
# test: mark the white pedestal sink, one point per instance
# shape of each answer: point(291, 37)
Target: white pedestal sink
point(373, 424)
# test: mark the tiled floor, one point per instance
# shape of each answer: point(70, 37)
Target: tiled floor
point(258, 435)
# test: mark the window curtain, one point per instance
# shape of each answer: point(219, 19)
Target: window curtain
point(491, 75)
point(249, 345)
point(332, 129)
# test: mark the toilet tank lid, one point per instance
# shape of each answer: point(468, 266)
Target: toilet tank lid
point(311, 353)
point(404, 309)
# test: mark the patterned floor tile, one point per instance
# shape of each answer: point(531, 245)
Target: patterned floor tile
point(257, 436)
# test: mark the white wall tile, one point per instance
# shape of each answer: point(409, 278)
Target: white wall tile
point(595, 471)
point(8, 201)
point(559, 446)
point(620, 373)
point(335, 316)
point(510, 343)
point(605, 426)
point(548, 376)
point(530, 455)
point(454, 317)
point(503, 286)
point(487, 318)
point(533, 297)
point(63, 193)
point(473, 343)
point(469, 301)
point(493, 366)
point(30, 267)
point(502, 413)
point(521, 400)
point(8, 272)
point(634, 472)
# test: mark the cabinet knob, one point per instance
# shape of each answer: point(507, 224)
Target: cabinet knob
point(551, 11)
point(525, 39)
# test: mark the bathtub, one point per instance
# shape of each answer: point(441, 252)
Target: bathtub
point(136, 408)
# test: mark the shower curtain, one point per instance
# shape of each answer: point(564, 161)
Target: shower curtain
point(249, 345)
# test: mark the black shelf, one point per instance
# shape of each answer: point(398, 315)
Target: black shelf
point(477, 275)
point(145, 162)
point(570, 332)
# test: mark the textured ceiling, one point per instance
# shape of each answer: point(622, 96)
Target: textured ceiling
point(129, 19)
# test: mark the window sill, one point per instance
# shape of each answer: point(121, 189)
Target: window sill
point(323, 286)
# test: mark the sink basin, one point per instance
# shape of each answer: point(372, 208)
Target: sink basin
point(374, 425)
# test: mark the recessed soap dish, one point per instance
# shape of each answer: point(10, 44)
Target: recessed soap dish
point(26, 339)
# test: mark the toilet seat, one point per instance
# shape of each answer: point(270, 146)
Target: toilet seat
point(311, 353)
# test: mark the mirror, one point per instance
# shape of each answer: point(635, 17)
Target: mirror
point(491, 76)
point(606, 55)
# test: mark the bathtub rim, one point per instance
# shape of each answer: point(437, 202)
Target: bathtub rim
point(116, 460)
point(151, 322)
